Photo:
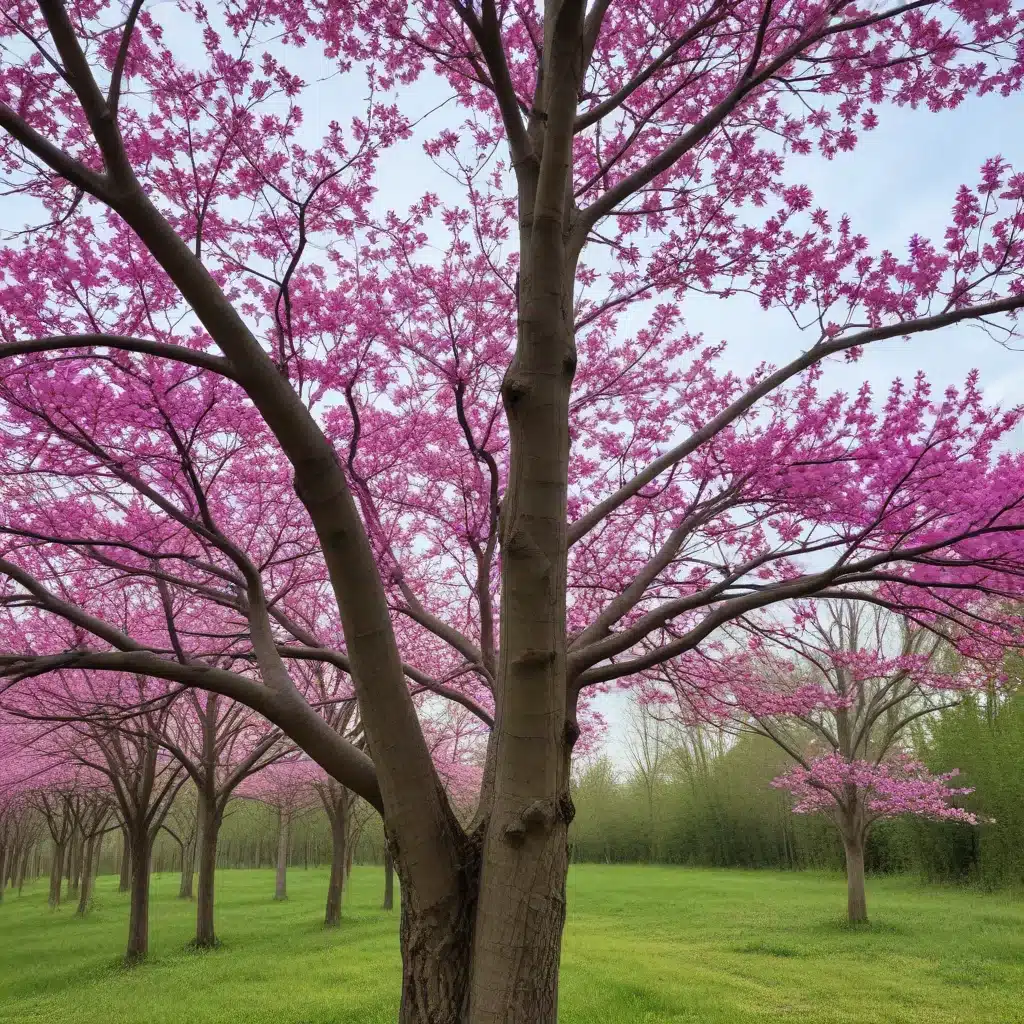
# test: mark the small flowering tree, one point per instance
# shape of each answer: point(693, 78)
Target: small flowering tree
point(837, 690)
point(288, 787)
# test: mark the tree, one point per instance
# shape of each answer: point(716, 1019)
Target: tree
point(220, 743)
point(840, 693)
point(504, 492)
point(289, 787)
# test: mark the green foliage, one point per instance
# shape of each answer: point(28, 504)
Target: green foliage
point(708, 807)
point(643, 945)
point(984, 738)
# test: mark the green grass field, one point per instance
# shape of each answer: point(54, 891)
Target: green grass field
point(642, 945)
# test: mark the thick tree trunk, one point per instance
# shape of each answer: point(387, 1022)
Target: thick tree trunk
point(389, 881)
point(56, 874)
point(125, 882)
point(437, 946)
point(138, 916)
point(281, 879)
point(332, 915)
point(88, 872)
point(856, 902)
point(209, 828)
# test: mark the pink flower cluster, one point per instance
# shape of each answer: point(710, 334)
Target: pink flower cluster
point(898, 785)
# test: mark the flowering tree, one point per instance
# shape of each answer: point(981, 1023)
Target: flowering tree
point(220, 743)
point(838, 691)
point(289, 787)
point(469, 447)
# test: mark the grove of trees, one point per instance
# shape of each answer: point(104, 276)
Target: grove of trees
point(271, 433)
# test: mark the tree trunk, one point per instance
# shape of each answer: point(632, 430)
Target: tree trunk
point(389, 881)
point(209, 827)
point(88, 866)
point(856, 903)
point(3, 870)
point(332, 916)
point(56, 874)
point(125, 882)
point(75, 863)
point(188, 870)
point(436, 943)
point(138, 918)
point(23, 867)
point(281, 881)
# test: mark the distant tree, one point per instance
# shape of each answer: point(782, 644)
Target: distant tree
point(838, 691)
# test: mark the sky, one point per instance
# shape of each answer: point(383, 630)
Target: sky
point(901, 179)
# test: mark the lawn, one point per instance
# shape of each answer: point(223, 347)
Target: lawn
point(642, 945)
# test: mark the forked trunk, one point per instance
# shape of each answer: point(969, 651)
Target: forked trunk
point(56, 874)
point(209, 828)
point(88, 870)
point(856, 902)
point(389, 881)
point(138, 916)
point(332, 914)
point(125, 881)
point(281, 879)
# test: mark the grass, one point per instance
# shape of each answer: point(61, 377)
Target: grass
point(643, 945)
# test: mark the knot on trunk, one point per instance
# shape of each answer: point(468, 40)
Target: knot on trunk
point(539, 816)
point(513, 390)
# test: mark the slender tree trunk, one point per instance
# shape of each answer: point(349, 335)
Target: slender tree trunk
point(281, 880)
point(56, 874)
point(856, 902)
point(188, 870)
point(3, 870)
point(209, 827)
point(88, 865)
point(138, 917)
point(125, 882)
point(389, 881)
point(332, 916)
point(23, 867)
point(75, 863)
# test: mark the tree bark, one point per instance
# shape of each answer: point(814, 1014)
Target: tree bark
point(88, 871)
point(210, 818)
point(138, 918)
point(56, 874)
point(125, 882)
point(332, 915)
point(856, 902)
point(389, 881)
point(437, 947)
point(281, 879)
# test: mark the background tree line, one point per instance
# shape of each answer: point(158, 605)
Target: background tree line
point(699, 797)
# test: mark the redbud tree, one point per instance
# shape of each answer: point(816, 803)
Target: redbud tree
point(840, 690)
point(256, 412)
